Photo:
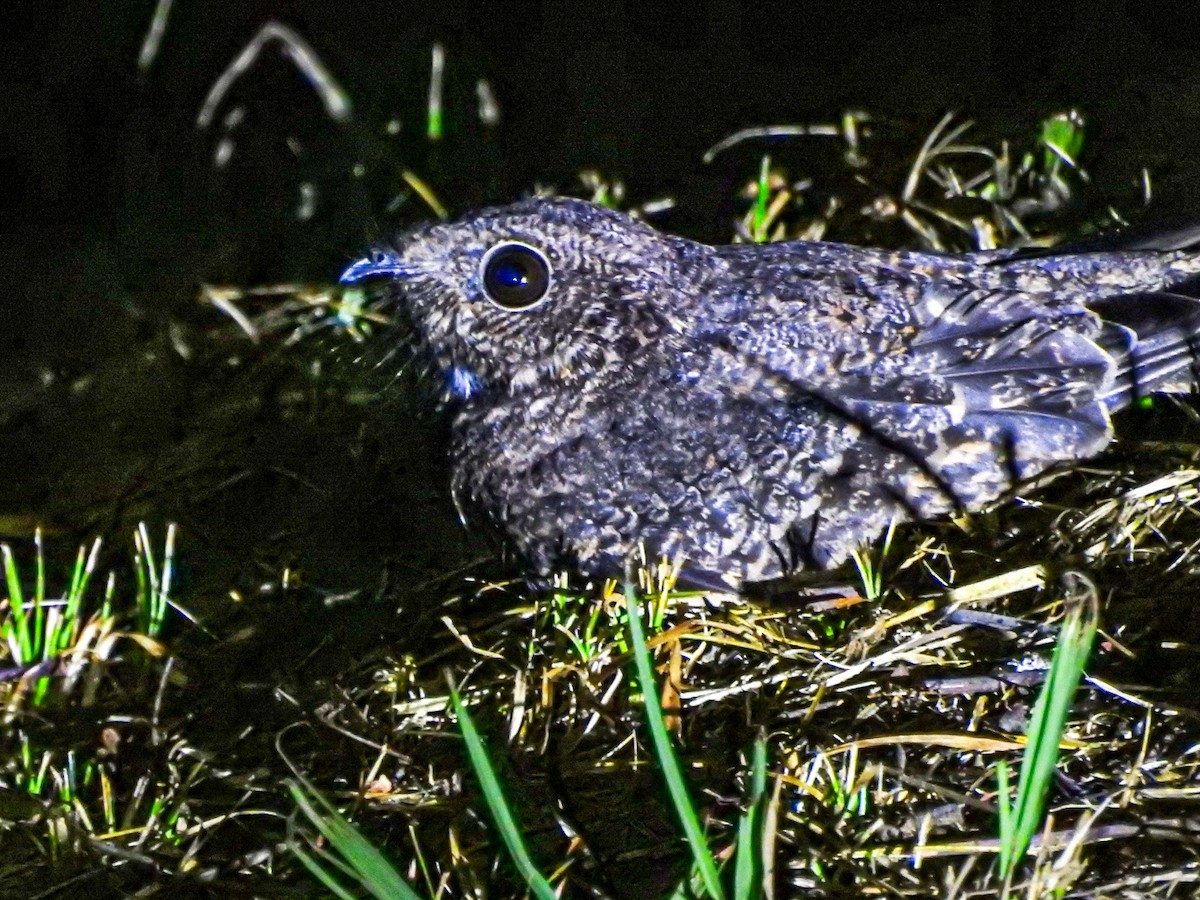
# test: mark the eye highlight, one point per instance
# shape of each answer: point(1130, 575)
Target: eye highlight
point(515, 276)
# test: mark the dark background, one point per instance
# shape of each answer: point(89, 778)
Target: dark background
point(112, 213)
point(92, 152)
point(89, 147)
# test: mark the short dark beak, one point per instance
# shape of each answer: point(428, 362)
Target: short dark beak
point(380, 264)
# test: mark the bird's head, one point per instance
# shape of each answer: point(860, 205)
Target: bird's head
point(543, 291)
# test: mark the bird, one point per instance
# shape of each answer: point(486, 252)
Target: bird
point(755, 410)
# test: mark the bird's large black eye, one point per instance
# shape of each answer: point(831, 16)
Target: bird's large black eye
point(515, 276)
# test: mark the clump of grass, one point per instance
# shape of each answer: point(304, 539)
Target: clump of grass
point(62, 650)
point(69, 635)
point(954, 193)
point(870, 565)
point(47, 627)
point(299, 311)
point(585, 624)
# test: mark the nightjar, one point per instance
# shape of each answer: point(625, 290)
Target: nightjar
point(762, 408)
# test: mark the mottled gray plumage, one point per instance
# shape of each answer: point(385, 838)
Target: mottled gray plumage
point(762, 408)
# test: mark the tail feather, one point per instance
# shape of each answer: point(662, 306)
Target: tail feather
point(1155, 340)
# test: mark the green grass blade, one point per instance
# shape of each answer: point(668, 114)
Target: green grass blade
point(39, 645)
point(1062, 136)
point(665, 752)
point(16, 606)
point(321, 874)
point(158, 612)
point(689, 888)
point(510, 833)
point(434, 125)
point(747, 875)
point(1048, 723)
point(360, 857)
point(762, 198)
point(70, 623)
point(1008, 837)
